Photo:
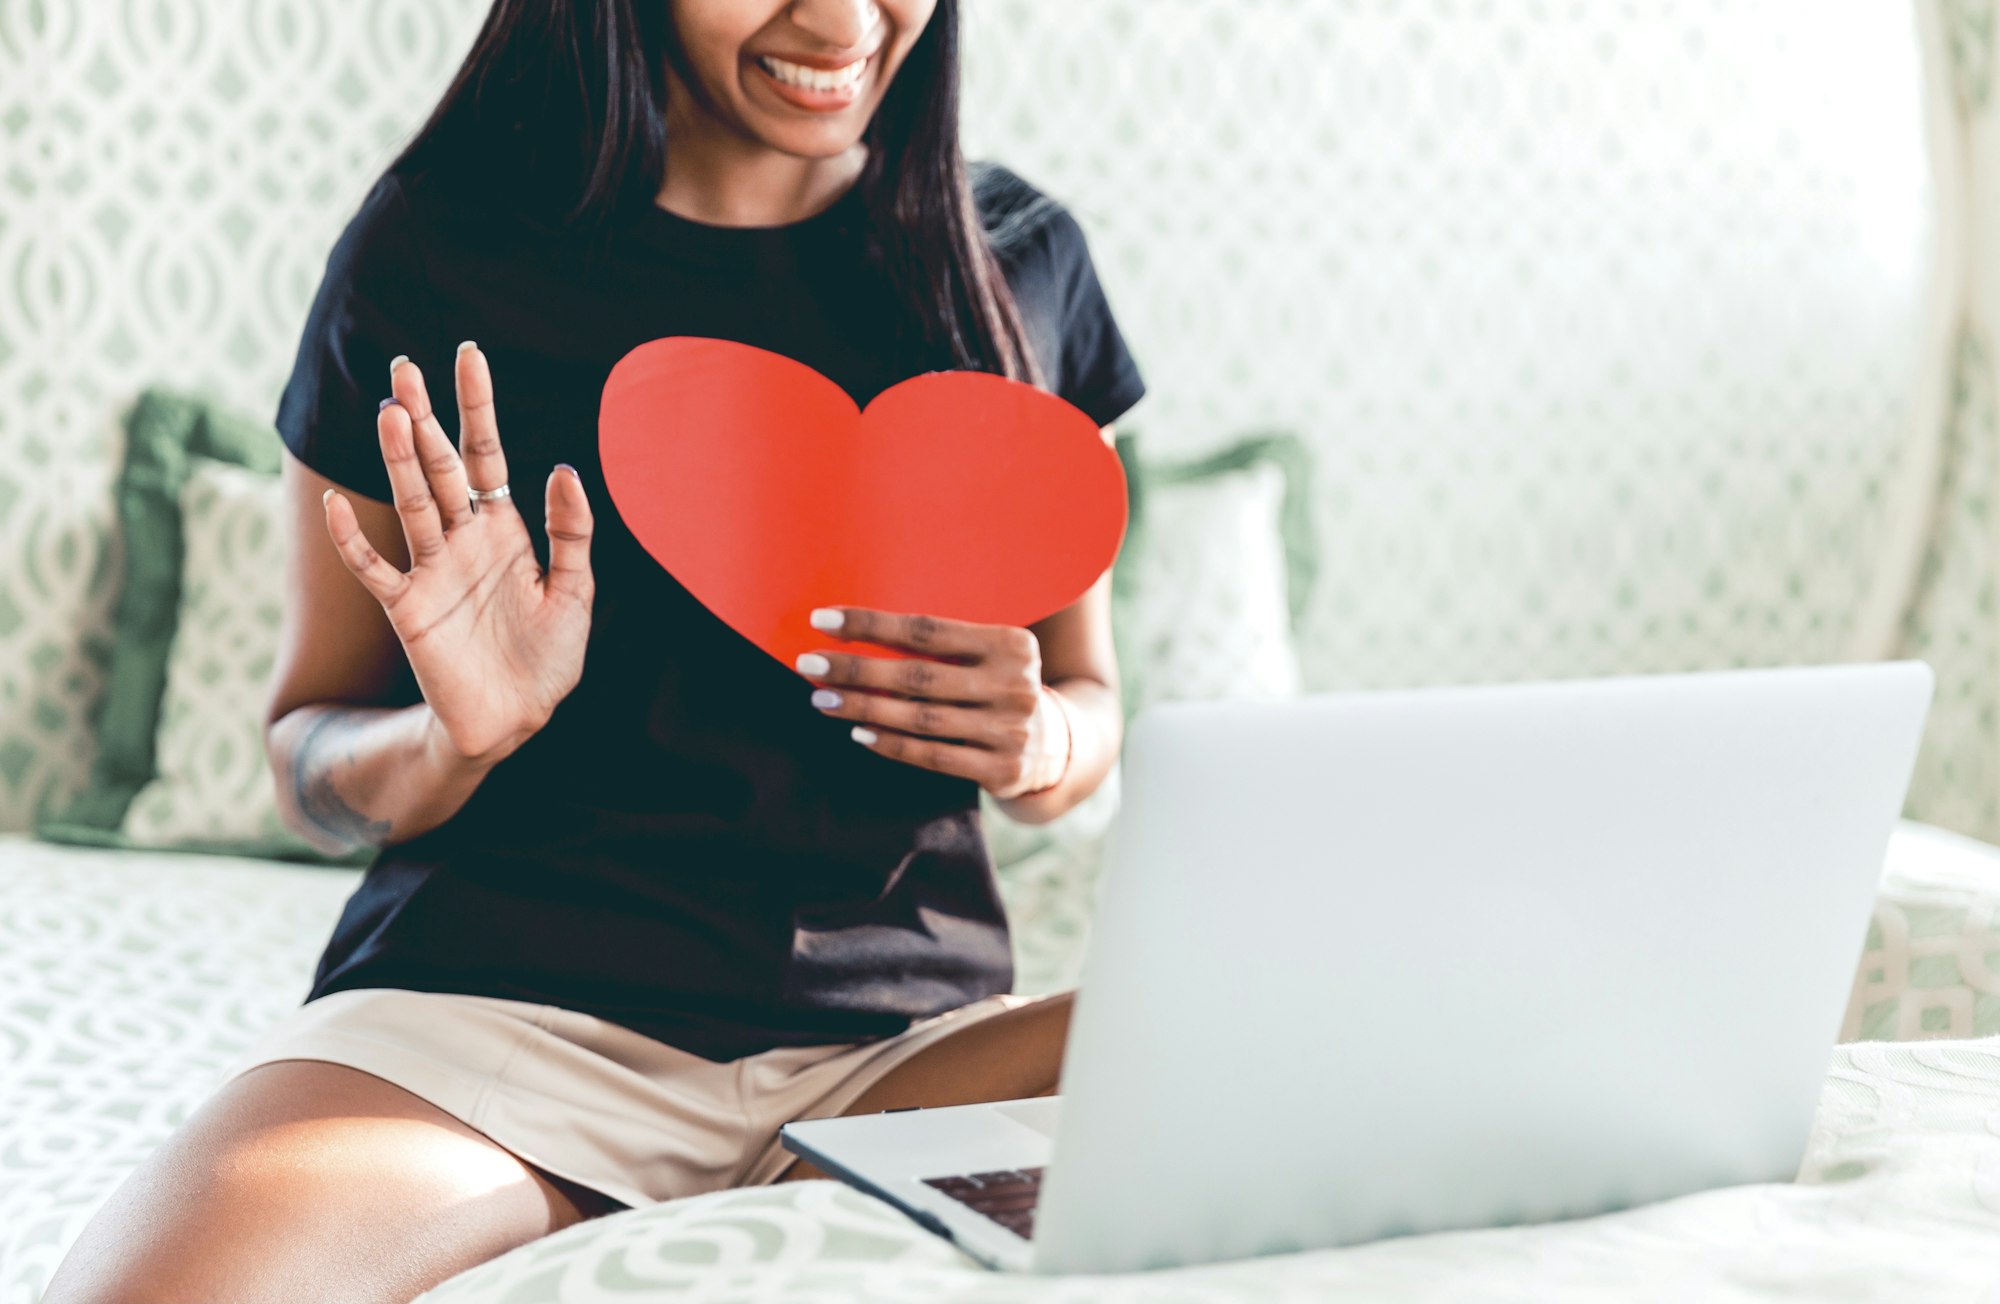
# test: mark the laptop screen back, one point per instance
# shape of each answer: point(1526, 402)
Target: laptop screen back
point(1398, 962)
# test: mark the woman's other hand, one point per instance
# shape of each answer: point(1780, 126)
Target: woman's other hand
point(493, 640)
point(985, 714)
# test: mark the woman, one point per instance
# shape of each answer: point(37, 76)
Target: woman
point(642, 894)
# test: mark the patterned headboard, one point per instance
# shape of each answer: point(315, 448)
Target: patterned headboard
point(1622, 334)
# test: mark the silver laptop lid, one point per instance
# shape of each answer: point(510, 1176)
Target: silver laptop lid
point(1381, 963)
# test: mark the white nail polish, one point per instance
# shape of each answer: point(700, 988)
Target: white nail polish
point(825, 697)
point(826, 618)
point(463, 345)
point(397, 361)
point(862, 733)
point(812, 663)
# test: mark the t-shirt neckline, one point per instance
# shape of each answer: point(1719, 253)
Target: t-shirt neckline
point(713, 241)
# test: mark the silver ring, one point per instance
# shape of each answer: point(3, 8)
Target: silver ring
point(488, 495)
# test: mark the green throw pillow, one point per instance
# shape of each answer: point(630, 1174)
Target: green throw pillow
point(168, 435)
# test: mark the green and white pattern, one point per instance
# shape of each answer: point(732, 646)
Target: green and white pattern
point(172, 176)
point(1626, 337)
point(1950, 615)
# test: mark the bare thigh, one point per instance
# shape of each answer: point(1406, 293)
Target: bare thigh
point(303, 1181)
point(1008, 1056)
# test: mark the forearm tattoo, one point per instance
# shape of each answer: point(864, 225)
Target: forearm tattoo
point(325, 745)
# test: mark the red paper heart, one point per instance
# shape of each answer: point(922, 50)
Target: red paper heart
point(761, 488)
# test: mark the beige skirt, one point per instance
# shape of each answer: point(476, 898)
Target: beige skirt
point(594, 1101)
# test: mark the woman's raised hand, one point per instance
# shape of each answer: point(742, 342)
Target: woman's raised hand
point(494, 641)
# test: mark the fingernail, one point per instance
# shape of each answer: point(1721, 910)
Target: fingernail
point(826, 618)
point(812, 663)
point(565, 466)
point(463, 345)
point(862, 733)
point(397, 361)
point(326, 497)
point(383, 406)
point(824, 697)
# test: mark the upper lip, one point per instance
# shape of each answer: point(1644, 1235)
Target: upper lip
point(823, 62)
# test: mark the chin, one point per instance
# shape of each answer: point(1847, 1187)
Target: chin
point(804, 140)
point(808, 144)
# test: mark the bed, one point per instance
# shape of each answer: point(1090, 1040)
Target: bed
point(129, 979)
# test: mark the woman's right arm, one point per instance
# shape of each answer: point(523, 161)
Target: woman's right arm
point(361, 755)
point(351, 770)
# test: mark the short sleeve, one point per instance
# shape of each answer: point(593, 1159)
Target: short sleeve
point(1046, 260)
point(1098, 372)
point(373, 304)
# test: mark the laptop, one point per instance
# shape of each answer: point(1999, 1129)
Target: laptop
point(1373, 964)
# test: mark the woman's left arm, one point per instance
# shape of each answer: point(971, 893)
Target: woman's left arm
point(1078, 663)
point(994, 715)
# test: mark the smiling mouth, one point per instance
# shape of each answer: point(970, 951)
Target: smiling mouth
point(824, 80)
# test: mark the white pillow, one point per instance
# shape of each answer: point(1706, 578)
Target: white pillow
point(212, 784)
point(1207, 616)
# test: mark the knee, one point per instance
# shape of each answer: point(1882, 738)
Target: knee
point(274, 1192)
point(255, 1236)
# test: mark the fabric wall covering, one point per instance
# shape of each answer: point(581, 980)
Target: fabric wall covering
point(1627, 338)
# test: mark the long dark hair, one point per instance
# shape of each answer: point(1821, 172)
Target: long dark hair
point(559, 111)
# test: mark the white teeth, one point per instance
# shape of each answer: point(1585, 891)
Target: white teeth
point(814, 79)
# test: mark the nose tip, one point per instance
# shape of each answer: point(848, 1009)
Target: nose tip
point(843, 24)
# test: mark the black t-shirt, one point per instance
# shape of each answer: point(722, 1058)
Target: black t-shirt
point(689, 848)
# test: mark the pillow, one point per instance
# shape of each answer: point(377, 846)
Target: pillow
point(194, 705)
point(1207, 595)
point(1216, 572)
point(1930, 966)
point(211, 786)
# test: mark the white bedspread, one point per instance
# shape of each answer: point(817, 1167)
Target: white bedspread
point(128, 981)
point(1901, 1203)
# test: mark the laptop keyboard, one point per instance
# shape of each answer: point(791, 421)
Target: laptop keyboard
point(1007, 1196)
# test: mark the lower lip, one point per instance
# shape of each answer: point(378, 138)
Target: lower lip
point(817, 101)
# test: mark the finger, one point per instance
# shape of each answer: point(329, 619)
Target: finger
point(918, 632)
point(570, 527)
point(409, 486)
point(911, 676)
point(932, 754)
point(442, 467)
point(974, 725)
point(478, 423)
point(376, 575)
